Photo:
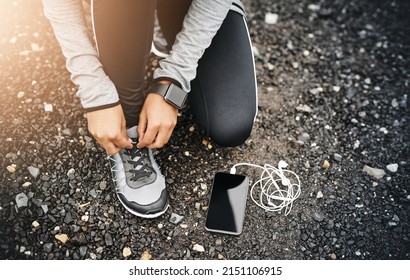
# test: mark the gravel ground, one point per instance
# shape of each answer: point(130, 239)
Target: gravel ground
point(333, 83)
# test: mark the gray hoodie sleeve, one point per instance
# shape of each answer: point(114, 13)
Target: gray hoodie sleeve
point(95, 89)
point(200, 25)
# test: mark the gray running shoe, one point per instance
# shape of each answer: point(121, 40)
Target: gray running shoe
point(138, 181)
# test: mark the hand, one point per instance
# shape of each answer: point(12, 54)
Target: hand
point(157, 120)
point(108, 128)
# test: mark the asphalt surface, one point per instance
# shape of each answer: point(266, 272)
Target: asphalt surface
point(333, 80)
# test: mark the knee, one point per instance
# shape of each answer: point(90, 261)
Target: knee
point(231, 134)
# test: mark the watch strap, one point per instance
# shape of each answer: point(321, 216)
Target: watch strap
point(173, 94)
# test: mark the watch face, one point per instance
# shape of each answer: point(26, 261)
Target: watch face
point(175, 96)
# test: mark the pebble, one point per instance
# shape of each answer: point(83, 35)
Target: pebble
point(319, 194)
point(326, 165)
point(314, 7)
point(146, 256)
point(126, 252)
point(198, 248)
point(306, 53)
point(21, 200)
point(70, 172)
point(336, 88)
point(26, 184)
point(63, 238)
point(34, 171)
point(85, 218)
point(384, 130)
point(304, 137)
point(316, 90)
point(392, 167)
point(11, 168)
point(48, 107)
point(108, 239)
point(48, 247)
point(83, 251)
point(20, 94)
point(317, 216)
point(337, 157)
point(175, 218)
point(333, 256)
point(295, 65)
point(271, 18)
point(304, 108)
point(35, 224)
point(45, 208)
point(374, 172)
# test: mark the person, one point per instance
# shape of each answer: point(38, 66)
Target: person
point(209, 63)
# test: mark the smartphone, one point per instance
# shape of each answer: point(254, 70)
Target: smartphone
point(226, 208)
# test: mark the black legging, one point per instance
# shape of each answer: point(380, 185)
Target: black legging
point(223, 95)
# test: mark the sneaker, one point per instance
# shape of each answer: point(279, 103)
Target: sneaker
point(138, 181)
point(159, 46)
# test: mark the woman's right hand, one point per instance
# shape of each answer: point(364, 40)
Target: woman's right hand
point(107, 126)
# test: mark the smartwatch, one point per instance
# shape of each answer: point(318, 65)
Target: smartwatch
point(173, 94)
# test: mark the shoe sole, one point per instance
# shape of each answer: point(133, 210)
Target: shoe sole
point(147, 216)
point(156, 52)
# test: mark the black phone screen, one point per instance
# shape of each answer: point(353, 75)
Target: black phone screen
point(226, 210)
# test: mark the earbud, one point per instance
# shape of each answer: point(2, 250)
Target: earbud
point(282, 164)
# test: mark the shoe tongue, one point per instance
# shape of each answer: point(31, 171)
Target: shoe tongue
point(132, 132)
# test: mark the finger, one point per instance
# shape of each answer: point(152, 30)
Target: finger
point(123, 142)
point(149, 137)
point(162, 138)
point(142, 125)
point(110, 148)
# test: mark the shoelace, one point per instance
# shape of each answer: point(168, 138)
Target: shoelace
point(137, 160)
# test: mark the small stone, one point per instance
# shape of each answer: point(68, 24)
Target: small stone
point(392, 167)
point(218, 242)
point(336, 88)
point(20, 94)
point(45, 208)
point(356, 144)
point(198, 248)
point(396, 218)
point(83, 251)
point(175, 218)
point(271, 18)
point(368, 81)
point(67, 132)
point(34, 171)
point(186, 153)
point(333, 256)
point(26, 184)
point(197, 206)
point(337, 157)
point(63, 238)
point(146, 256)
point(306, 53)
point(35, 224)
point(21, 200)
point(126, 252)
point(317, 216)
point(203, 187)
point(314, 7)
point(304, 137)
point(384, 130)
point(68, 218)
point(108, 239)
point(394, 103)
point(316, 90)
point(304, 108)
point(85, 218)
point(11, 168)
point(319, 194)
point(48, 247)
point(326, 165)
point(70, 172)
point(160, 226)
point(48, 107)
point(375, 172)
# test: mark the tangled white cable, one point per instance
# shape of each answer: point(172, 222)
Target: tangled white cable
point(278, 187)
